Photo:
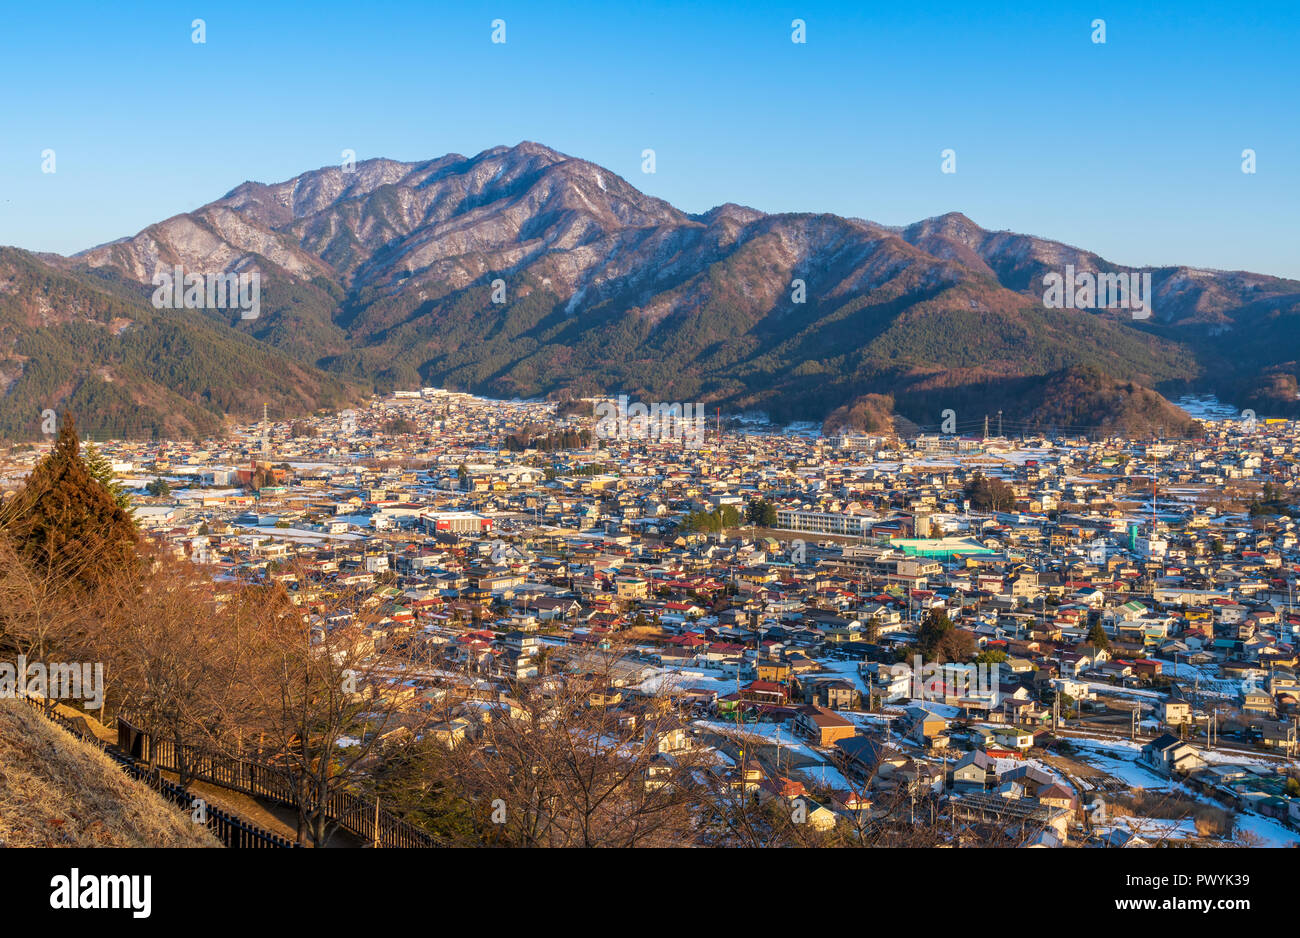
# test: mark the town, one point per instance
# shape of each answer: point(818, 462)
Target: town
point(1063, 641)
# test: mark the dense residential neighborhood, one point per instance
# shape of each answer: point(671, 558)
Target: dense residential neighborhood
point(983, 632)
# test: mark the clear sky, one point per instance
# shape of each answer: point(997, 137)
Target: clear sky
point(1131, 148)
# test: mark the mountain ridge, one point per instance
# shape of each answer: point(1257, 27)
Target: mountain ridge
point(383, 275)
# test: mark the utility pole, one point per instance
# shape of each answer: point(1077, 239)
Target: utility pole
point(999, 424)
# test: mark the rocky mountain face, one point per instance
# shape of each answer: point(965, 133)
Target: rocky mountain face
point(522, 271)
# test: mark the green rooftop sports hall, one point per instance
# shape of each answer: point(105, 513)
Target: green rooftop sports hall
point(939, 548)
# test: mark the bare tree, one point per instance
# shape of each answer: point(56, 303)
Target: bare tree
point(173, 659)
point(327, 691)
point(578, 759)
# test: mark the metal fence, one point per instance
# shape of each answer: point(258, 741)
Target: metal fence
point(230, 829)
point(360, 816)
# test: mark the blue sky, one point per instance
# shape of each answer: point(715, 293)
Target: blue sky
point(1131, 148)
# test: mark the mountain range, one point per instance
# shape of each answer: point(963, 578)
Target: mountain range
point(384, 274)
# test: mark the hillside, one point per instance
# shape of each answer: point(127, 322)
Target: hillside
point(1081, 399)
point(1084, 397)
point(384, 275)
point(92, 344)
point(56, 791)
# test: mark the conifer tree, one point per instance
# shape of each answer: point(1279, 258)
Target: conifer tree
point(102, 472)
point(65, 524)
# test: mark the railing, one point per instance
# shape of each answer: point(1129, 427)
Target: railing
point(230, 829)
point(360, 816)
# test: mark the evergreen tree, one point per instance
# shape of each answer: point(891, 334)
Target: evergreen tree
point(66, 524)
point(761, 512)
point(1097, 637)
point(938, 639)
point(102, 472)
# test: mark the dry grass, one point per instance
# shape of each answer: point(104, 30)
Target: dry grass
point(1210, 821)
point(646, 633)
point(56, 791)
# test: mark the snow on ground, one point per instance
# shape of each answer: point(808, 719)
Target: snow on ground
point(189, 495)
point(1111, 690)
point(1051, 772)
point(1152, 828)
point(825, 776)
point(771, 733)
point(1118, 758)
point(1221, 687)
point(1220, 757)
point(1272, 833)
point(1184, 671)
point(297, 534)
point(797, 757)
point(863, 718)
point(679, 679)
point(847, 670)
point(1268, 830)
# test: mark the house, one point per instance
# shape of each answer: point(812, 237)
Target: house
point(850, 803)
point(743, 778)
point(972, 773)
point(817, 816)
point(1278, 736)
point(1076, 690)
point(1006, 735)
point(451, 732)
point(862, 756)
point(770, 669)
point(1258, 702)
point(521, 643)
point(515, 666)
point(778, 786)
point(1174, 712)
point(631, 588)
point(1031, 780)
point(927, 727)
point(1057, 795)
point(821, 726)
point(1169, 755)
point(851, 632)
point(832, 693)
point(667, 738)
point(765, 692)
point(604, 697)
point(1121, 838)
